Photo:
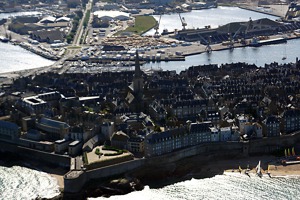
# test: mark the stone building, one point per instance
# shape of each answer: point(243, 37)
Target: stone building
point(134, 96)
point(271, 126)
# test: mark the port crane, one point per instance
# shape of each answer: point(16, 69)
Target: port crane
point(232, 38)
point(183, 22)
point(207, 42)
point(156, 33)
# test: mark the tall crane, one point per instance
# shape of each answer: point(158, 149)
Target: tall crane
point(156, 33)
point(183, 23)
point(232, 38)
point(208, 48)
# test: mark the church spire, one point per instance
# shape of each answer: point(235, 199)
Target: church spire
point(137, 69)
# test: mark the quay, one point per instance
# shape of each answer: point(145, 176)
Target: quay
point(41, 52)
point(177, 53)
point(263, 10)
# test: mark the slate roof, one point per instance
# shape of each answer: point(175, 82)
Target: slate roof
point(52, 35)
point(53, 123)
point(200, 127)
point(8, 125)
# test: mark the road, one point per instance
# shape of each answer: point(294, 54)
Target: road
point(71, 52)
point(80, 29)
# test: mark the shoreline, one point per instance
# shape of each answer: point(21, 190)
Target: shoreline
point(8, 76)
point(178, 171)
point(189, 51)
point(156, 176)
point(11, 159)
point(188, 168)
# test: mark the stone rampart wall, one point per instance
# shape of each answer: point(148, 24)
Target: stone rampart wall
point(41, 156)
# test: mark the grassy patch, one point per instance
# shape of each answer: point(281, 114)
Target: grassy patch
point(86, 18)
point(97, 152)
point(142, 25)
point(118, 151)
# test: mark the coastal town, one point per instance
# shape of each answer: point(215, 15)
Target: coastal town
point(93, 117)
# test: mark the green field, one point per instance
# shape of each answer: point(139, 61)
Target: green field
point(142, 25)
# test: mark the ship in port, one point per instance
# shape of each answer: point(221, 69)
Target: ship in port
point(255, 42)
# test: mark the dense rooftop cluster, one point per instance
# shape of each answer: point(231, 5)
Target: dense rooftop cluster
point(154, 113)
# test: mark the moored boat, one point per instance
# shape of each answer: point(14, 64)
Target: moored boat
point(257, 43)
point(258, 170)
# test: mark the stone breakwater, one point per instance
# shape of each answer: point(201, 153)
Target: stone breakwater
point(40, 51)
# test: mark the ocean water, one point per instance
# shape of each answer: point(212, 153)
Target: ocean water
point(200, 18)
point(15, 58)
point(252, 55)
point(23, 183)
point(229, 187)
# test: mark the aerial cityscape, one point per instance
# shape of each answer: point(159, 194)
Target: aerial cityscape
point(155, 99)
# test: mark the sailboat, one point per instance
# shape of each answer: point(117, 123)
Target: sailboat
point(258, 170)
point(247, 170)
point(285, 153)
point(284, 55)
point(268, 171)
point(293, 151)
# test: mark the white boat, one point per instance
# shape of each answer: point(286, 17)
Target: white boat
point(258, 170)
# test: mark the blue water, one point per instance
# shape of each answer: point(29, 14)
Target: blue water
point(251, 55)
point(217, 17)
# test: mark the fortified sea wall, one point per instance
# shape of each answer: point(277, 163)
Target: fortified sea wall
point(74, 181)
point(40, 156)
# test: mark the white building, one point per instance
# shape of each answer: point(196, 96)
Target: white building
point(112, 15)
point(48, 19)
point(242, 120)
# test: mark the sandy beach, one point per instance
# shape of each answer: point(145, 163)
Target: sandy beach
point(60, 180)
point(276, 169)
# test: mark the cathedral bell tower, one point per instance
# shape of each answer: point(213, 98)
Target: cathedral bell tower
point(138, 82)
point(135, 94)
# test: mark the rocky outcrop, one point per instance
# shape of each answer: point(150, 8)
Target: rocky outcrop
point(115, 187)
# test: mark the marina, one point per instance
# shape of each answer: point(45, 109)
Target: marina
point(167, 53)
